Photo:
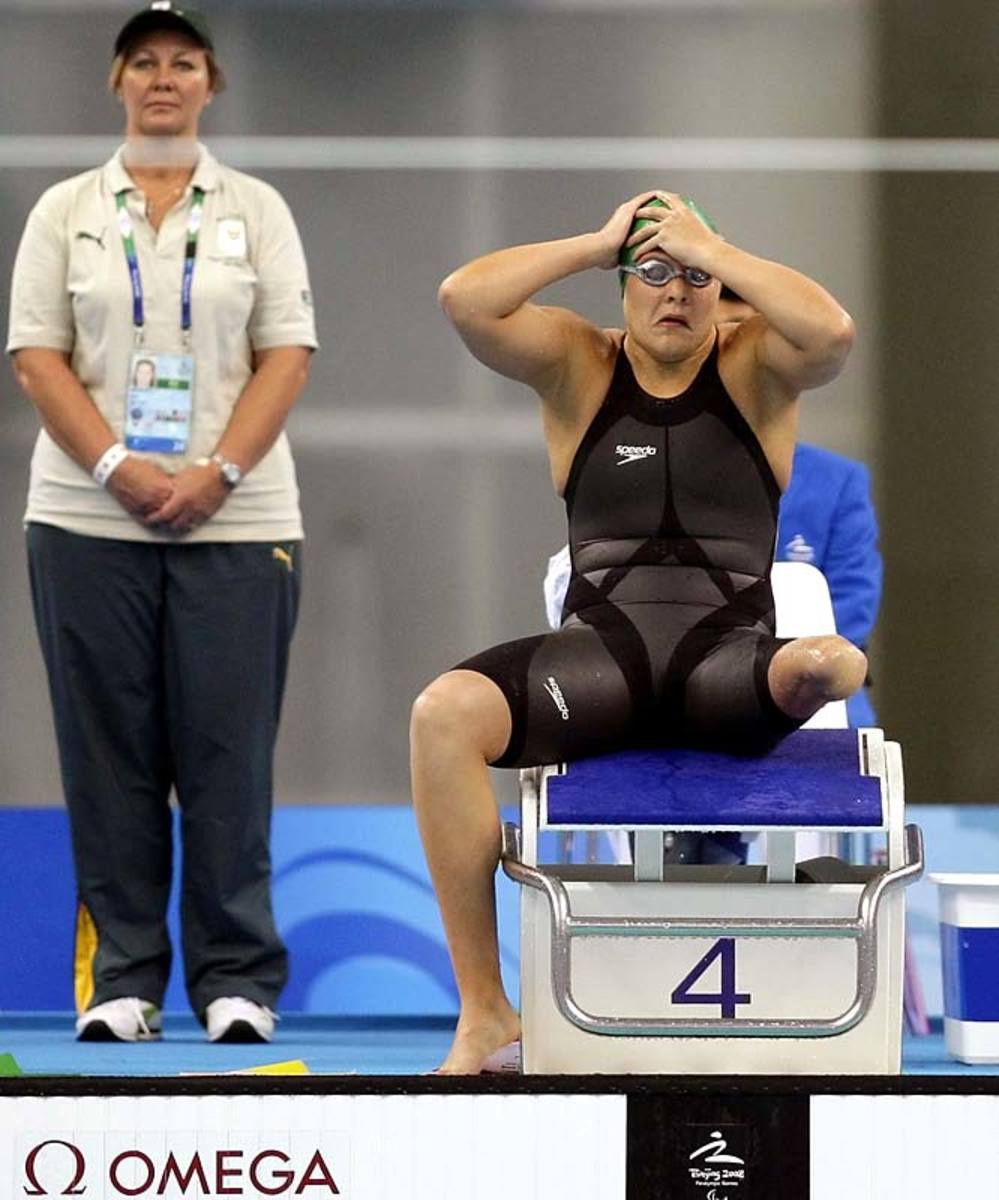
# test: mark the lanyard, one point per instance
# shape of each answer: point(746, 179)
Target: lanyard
point(190, 249)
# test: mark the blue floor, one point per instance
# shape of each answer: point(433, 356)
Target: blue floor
point(43, 1044)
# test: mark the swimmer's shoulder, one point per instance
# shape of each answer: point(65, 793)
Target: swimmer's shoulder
point(582, 391)
point(740, 365)
point(589, 353)
point(601, 348)
point(590, 364)
point(736, 336)
point(605, 347)
point(614, 338)
point(767, 404)
point(584, 334)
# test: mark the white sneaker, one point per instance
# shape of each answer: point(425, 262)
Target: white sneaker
point(127, 1019)
point(236, 1019)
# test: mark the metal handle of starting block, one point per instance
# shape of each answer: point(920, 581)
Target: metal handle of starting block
point(863, 929)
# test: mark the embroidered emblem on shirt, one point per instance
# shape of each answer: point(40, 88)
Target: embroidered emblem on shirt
point(230, 237)
point(798, 550)
point(84, 236)
point(630, 454)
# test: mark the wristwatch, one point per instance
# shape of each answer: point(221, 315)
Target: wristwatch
point(231, 474)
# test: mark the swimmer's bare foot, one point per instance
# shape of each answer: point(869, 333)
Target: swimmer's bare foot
point(477, 1036)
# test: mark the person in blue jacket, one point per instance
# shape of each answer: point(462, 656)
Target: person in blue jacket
point(827, 519)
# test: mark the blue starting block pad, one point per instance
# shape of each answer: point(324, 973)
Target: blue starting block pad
point(812, 780)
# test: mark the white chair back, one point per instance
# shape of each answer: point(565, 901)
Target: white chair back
point(804, 609)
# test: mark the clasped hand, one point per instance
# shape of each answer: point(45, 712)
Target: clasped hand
point(175, 503)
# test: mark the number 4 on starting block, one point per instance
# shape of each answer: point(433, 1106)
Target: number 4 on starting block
point(728, 998)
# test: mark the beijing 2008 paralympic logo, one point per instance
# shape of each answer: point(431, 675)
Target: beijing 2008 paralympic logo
point(61, 1167)
point(717, 1173)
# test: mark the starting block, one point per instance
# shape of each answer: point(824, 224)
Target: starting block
point(787, 967)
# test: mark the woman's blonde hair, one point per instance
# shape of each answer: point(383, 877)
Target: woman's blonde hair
point(216, 80)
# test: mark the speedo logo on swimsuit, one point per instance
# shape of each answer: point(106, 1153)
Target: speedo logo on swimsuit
point(553, 690)
point(630, 454)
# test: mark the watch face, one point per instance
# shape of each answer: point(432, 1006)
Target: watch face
point(231, 473)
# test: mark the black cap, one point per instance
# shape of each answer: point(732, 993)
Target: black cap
point(164, 14)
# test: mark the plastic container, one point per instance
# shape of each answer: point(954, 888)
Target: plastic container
point(969, 944)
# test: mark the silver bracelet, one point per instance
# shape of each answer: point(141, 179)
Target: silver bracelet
point(109, 461)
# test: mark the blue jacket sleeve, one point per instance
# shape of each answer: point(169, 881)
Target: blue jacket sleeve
point(852, 562)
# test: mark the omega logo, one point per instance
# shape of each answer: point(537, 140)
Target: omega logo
point(75, 1168)
point(133, 1172)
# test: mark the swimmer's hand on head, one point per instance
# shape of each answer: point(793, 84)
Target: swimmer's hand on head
point(614, 234)
point(490, 302)
point(673, 228)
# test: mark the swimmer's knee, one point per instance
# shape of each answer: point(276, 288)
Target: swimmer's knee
point(462, 707)
point(436, 709)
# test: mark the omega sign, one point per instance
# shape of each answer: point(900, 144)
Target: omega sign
point(78, 1167)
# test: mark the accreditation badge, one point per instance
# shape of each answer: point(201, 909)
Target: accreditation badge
point(159, 401)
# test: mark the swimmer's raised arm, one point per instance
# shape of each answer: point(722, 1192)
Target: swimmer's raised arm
point(805, 335)
point(488, 301)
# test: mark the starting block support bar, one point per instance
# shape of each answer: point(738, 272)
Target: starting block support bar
point(781, 858)
point(862, 928)
point(648, 855)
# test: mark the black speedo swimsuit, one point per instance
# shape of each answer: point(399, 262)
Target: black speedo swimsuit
point(668, 625)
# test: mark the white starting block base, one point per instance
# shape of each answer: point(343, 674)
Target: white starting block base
point(790, 978)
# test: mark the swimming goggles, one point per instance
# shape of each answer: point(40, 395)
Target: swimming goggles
point(658, 273)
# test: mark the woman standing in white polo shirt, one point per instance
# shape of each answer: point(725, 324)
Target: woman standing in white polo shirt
point(161, 322)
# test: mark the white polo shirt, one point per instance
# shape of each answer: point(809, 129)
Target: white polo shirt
point(71, 292)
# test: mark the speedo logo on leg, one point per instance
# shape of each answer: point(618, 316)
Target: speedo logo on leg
point(630, 454)
point(553, 690)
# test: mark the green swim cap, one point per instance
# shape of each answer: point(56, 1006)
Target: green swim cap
point(626, 255)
